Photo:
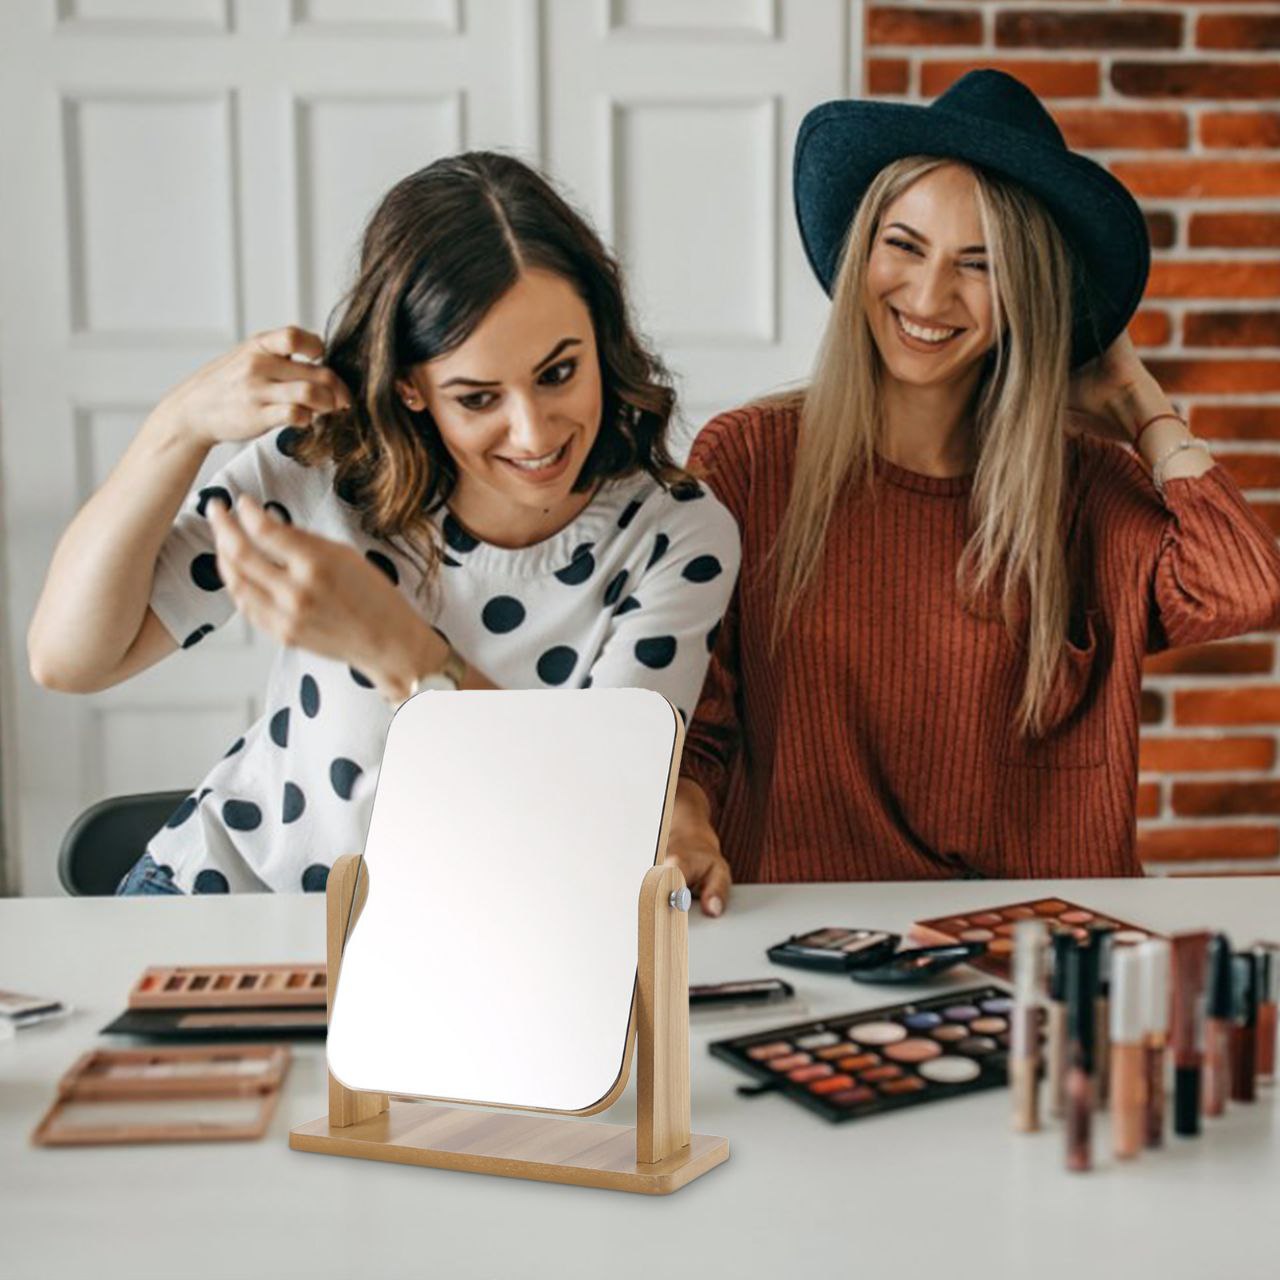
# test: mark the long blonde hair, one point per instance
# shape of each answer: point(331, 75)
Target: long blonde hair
point(1016, 547)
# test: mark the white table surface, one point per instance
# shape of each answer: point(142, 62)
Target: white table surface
point(944, 1188)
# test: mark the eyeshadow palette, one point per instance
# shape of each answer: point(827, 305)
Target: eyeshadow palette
point(856, 1065)
point(165, 1095)
point(994, 927)
point(212, 1002)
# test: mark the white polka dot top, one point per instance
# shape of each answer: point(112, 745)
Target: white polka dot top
point(629, 594)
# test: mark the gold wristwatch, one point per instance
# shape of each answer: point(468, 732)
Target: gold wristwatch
point(449, 677)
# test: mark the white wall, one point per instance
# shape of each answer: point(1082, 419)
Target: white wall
point(177, 174)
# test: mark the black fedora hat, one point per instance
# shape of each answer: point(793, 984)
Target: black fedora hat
point(991, 120)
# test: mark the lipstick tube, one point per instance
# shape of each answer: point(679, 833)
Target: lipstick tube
point(1244, 1027)
point(1024, 1048)
point(1102, 944)
point(1268, 997)
point(1219, 1008)
point(1082, 1025)
point(1189, 962)
point(1063, 945)
point(1128, 1056)
point(1154, 961)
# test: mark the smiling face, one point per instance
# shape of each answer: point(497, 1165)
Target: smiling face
point(927, 292)
point(518, 407)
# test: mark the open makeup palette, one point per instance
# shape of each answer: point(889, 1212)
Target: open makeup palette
point(165, 1095)
point(209, 1002)
point(856, 1065)
point(994, 927)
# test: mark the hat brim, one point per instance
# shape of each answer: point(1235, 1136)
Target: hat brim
point(843, 145)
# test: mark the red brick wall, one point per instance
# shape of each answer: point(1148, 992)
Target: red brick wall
point(1181, 103)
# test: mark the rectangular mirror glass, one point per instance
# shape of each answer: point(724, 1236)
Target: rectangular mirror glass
point(495, 958)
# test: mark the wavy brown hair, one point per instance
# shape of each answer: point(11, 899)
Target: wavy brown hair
point(443, 246)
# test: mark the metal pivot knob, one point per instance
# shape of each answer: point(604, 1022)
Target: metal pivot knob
point(681, 899)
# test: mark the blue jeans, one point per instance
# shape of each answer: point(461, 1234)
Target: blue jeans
point(147, 876)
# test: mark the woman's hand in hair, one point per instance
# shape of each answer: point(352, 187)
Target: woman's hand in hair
point(694, 847)
point(1100, 393)
point(256, 387)
point(310, 592)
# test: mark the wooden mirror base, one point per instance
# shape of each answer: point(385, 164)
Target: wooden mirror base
point(544, 1148)
point(656, 1156)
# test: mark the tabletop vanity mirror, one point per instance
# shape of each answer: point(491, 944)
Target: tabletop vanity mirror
point(510, 939)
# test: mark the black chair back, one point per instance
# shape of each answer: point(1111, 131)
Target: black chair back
point(109, 837)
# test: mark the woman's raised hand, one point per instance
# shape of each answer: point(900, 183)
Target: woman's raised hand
point(271, 380)
point(311, 592)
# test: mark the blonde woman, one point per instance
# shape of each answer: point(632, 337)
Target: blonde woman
point(962, 537)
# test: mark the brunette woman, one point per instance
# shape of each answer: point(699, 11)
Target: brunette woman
point(473, 490)
point(963, 536)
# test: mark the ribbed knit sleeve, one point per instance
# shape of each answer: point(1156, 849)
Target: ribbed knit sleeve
point(1218, 571)
point(719, 457)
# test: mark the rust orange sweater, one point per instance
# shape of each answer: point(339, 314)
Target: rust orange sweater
point(880, 741)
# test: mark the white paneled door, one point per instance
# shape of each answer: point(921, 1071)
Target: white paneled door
point(177, 174)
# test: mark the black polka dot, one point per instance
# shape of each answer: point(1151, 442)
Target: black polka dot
point(556, 665)
point(629, 514)
point(197, 635)
point(450, 563)
point(687, 491)
point(279, 510)
point(204, 791)
point(211, 882)
point(614, 589)
point(656, 651)
point(241, 815)
point(582, 564)
point(360, 678)
point(165, 869)
point(660, 545)
point(294, 802)
point(182, 812)
point(702, 569)
point(279, 727)
point(343, 774)
point(713, 635)
point(457, 537)
point(234, 747)
point(288, 440)
point(315, 878)
point(206, 496)
point(379, 561)
point(502, 614)
point(204, 572)
point(309, 696)
point(627, 605)
point(586, 682)
point(348, 489)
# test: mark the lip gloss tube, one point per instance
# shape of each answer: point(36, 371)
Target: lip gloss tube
point(1082, 1025)
point(1154, 960)
point(1268, 995)
point(1244, 1027)
point(1063, 945)
point(1189, 957)
point(1128, 1056)
point(1024, 1049)
point(1219, 1010)
point(1102, 944)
